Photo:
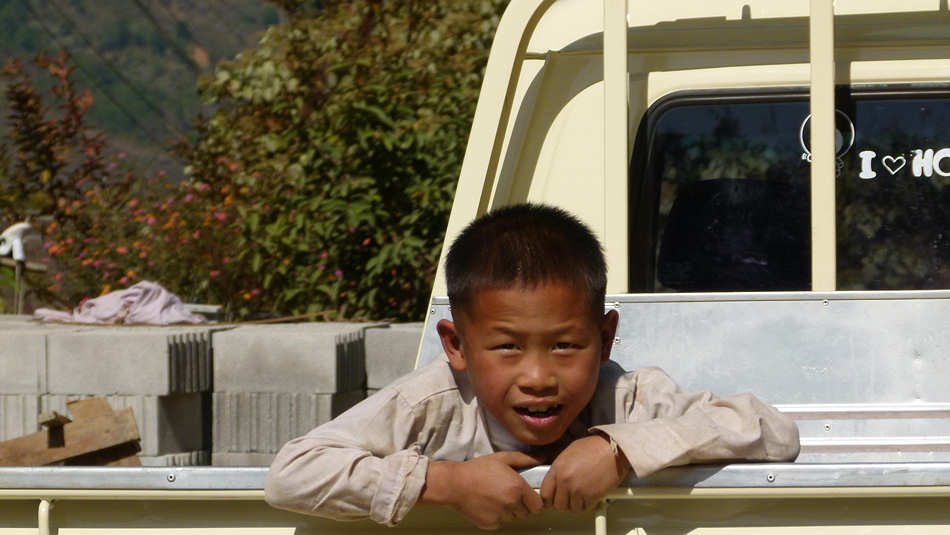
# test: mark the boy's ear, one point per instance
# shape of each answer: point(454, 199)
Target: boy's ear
point(608, 330)
point(451, 344)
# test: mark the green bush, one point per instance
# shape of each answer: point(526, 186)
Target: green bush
point(346, 133)
point(321, 185)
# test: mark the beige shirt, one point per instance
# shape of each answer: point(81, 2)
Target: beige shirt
point(371, 461)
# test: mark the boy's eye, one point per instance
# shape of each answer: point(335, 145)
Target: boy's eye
point(564, 345)
point(505, 347)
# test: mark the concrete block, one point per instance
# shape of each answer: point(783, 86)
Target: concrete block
point(129, 360)
point(261, 422)
point(242, 459)
point(167, 424)
point(188, 458)
point(391, 352)
point(322, 358)
point(23, 361)
point(18, 415)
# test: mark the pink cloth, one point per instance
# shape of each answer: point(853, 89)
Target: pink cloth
point(146, 302)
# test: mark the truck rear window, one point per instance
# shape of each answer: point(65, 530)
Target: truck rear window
point(720, 192)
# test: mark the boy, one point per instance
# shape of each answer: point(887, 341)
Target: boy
point(525, 380)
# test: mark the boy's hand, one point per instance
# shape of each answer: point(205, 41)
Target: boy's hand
point(583, 474)
point(488, 490)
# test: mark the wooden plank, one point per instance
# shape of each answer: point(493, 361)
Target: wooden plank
point(79, 438)
point(121, 455)
point(83, 409)
point(30, 266)
point(53, 419)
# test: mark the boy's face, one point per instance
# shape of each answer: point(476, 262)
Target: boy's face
point(531, 354)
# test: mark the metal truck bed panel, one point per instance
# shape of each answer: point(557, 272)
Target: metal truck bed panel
point(863, 373)
point(739, 498)
point(49, 481)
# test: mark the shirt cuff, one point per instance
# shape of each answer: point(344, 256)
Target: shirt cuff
point(402, 476)
point(648, 446)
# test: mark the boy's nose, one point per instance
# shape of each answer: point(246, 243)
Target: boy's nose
point(536, 377)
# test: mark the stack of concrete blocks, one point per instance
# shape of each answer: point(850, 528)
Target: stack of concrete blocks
point(22, 373)
point(390, 353)
point(276, 382)
point(163, 373)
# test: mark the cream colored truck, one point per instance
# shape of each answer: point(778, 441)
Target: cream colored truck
point(770, 181)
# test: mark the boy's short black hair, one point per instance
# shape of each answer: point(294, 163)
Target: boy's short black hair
point(526, 245)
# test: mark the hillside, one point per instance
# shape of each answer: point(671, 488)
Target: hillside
point(140, 59)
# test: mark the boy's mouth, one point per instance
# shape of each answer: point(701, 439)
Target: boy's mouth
point(539, 411)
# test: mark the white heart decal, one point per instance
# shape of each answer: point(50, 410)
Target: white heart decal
point(892, 164)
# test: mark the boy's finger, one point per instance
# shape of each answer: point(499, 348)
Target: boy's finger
point(562, 499)
point(532, 500)
point(548, 487)
point(517, 459)
point(578, 504)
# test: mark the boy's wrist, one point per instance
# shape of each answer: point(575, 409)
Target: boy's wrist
point(438, 487)
point(620, 459)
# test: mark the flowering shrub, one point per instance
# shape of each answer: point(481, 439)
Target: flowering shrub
point(347, 131)
point(321, 185)
point(105, 227)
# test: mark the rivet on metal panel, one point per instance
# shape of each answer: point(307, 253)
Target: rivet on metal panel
point(770, 478)
point(826, 302)
point(827, 427)
point(616, 339)
point(431, 311)
point(617, 305)
point(170, 478)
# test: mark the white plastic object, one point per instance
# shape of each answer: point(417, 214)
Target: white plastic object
point(12, 239)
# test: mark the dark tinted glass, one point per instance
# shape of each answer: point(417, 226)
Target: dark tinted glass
point(728, 186)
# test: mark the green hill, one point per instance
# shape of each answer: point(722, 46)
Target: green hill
point(140, 59)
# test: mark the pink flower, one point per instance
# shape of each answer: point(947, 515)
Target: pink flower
point(112, 165)
point(188, 198)
point(123, 280)
point(150, 221)
point(121, 155)
point(338, 273)
point(161, 173)
point(121, 249)
point(220, 216)
point(324, 254)
point(256, 291)
point(214, 273)
point(47, 245)
point(321, 267)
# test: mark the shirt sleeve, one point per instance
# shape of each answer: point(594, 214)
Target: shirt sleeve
point(363, 464)
point(659, 426)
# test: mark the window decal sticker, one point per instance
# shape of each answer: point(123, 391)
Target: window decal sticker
point(844, 138)
point(924, 163)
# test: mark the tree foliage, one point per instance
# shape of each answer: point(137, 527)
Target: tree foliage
point(346, 133)
point(321, 185)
